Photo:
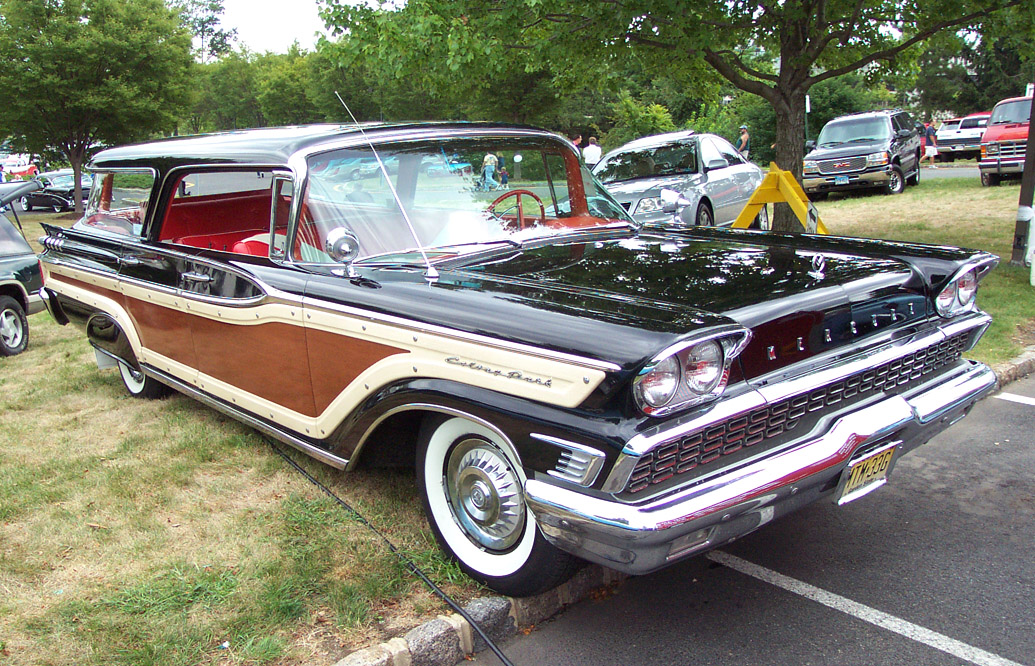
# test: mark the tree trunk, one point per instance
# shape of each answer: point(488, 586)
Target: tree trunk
point(75, 156)
point(790, 149)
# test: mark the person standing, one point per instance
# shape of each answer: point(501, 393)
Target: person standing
point(488, 171)
point(591, 154)
point(931, 147)
point(744, 142)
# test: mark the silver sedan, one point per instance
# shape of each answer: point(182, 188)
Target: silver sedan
point(706, 170)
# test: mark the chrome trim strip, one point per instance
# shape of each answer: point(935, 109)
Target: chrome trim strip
point(249, 420)
point(422, 407)
point(592, 470)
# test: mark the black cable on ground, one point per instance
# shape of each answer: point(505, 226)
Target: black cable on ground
point(405, 560)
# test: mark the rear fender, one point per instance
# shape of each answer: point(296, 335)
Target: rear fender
point(107, 336)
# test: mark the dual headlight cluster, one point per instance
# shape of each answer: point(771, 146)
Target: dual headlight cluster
point(649, 205)
point(958, 296)
point(688, 374)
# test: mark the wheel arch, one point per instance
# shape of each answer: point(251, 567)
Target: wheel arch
point(15, 290)
point(105, 334)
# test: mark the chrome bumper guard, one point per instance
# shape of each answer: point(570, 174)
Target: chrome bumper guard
point(640, 538)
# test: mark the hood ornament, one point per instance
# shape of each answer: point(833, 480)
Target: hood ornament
point(819, 264)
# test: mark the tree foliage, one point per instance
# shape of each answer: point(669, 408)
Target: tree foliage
point(82, 73)
point(203, 19)
point(776, 50)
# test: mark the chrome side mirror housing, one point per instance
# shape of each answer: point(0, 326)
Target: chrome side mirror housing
point(343, 247)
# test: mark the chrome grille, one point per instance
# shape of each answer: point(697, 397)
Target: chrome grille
point(842, 165)
point(747, 430)
point(1012, 149)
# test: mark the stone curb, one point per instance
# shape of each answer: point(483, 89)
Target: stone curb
point(446, 641)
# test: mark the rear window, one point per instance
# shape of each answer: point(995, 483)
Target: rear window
point(972, 123)
point(11, 242)
point(118, 202)
point(949, 125)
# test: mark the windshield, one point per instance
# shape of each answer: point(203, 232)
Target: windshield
point(670, 159)
point(855, 130)
point(459, 195)
point(1018, 111)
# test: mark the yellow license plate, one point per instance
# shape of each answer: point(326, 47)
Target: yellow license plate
point(867, 474)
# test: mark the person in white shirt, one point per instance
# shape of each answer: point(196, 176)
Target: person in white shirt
point(591, 153)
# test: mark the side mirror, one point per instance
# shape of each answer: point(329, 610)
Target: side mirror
point(672, 201)
point(713, 165)
point(810, 145)
point(343, 247)
point(904, 134)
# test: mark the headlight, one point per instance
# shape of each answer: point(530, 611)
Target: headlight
point(957, 296)
point(689, 373)
point(649, 205)
point(991, 148)
point(877, 159)
point(810, 166)
point(656, 387)
point(704, 367)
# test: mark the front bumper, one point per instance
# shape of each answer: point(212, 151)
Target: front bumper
point(641, 538)
point(878, 177)
point(1001, 165)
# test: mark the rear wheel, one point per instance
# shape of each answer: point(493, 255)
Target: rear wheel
point(705, 217)
point(473, 491)
point(140, 385)
point(896, 184)
point(14, 327)
point(57, 209)
point(915, 178)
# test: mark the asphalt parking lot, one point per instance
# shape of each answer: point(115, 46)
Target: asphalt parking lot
point(934, 569)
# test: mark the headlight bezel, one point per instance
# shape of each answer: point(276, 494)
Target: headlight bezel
point(878, 159)
point(959, 295)
point(727, 342)
point(810, 166)
point(648, 205)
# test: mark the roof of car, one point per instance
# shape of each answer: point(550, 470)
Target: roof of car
point(655, 140)
point(268, 146)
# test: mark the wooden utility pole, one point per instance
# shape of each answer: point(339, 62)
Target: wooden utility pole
point(1024, 205)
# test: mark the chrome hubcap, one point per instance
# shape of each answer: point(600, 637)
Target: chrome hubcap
point(10, 328)
point(485, 494)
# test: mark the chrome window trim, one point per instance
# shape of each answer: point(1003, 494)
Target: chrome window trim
point(149, 213)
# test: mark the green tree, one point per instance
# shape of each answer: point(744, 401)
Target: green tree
point(203, 18)
point(804, 42)
point(81, 73)
point(283, 88)
point(634, 119)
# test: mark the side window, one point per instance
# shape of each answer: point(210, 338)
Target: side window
point(709, 151)
point(726, 151)
point(118, 202)
point(229, 211)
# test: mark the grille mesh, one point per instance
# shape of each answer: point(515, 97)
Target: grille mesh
point(705, 446)
point(842, 165)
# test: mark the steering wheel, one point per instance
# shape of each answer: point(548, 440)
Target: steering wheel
point(521, 212)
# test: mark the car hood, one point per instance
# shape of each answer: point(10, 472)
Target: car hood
point(847, 150)
point(1006, 132)
point(629, 190)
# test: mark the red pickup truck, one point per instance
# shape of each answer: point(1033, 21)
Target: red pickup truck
point(1005, 140)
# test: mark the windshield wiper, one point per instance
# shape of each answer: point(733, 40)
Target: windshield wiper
point(861, 139)
point(831, 143)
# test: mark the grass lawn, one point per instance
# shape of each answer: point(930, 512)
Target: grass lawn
point(140, 532)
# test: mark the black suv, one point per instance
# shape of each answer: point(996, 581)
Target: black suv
point(878, 149)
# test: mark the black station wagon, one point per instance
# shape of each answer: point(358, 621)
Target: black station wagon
point(568, 384)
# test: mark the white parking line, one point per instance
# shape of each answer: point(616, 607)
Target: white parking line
point(1013, 397)
point(872, 615)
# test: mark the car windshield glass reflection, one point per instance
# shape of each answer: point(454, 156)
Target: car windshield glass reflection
point(1011, 112)
point(11, 242)
point(856, 130)
point(671, 159)
point(458, 196)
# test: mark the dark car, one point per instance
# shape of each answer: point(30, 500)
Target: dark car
point(874, 150)
point(58, 191)
point(568, 384)
point(20, 278)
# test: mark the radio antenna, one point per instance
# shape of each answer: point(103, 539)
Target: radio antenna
point(431, 274)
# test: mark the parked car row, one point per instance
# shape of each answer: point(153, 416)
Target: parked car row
point(570, 383)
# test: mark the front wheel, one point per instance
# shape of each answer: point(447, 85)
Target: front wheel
point(704, 217)
point(26, 206)
point(140, 385)
point(896, 184)
point(473, 492)
point(14, 327)
point(990, 179)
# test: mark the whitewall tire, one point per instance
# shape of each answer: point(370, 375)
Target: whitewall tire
point(473, 491)
point(140, 385)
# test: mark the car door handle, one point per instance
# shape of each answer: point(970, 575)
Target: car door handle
point(129, 261)
point(196, 277)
